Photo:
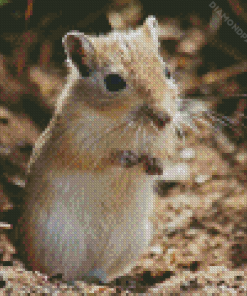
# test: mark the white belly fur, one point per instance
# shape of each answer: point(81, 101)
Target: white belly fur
point(91, 223)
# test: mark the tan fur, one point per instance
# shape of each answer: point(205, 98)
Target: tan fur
point(83, 211)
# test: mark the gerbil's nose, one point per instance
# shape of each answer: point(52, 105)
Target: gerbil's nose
point(159, 118)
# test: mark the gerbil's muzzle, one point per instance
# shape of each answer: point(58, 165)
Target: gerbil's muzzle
point(147, 114)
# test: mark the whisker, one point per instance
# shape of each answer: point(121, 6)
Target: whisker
point(201, 119)
point(105, 133)
point(226, 121)
point(193, 127)
point(144, 141)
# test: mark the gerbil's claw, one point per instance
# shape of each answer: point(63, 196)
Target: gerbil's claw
point(128, 159)
point(151, 165)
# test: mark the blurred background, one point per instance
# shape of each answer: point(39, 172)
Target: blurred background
point(205, 53)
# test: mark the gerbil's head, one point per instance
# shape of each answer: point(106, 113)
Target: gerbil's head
point(119, 94)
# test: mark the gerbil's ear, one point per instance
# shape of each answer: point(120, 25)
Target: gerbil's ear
point(80, 52)
point(150, 27)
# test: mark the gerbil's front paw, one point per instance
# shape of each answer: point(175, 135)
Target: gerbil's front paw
point(151, 165)
point(128, 159)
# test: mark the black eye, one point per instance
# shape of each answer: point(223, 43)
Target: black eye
point(167, 73)
point(114, 82)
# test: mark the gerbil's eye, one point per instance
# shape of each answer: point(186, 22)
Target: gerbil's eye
point(167, 73)
point(114, 82)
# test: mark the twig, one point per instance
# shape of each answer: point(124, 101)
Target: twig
point(227, 48)
point(4, 225)
point(219, 75)
point(238, 9)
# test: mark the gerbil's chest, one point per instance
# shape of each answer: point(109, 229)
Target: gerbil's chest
point(112, 193)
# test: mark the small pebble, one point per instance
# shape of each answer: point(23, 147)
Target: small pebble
point(241, 157)
point(157, 250)
point(188, 153)
point(202, 178)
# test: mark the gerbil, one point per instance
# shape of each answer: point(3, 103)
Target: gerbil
point(89, 194)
